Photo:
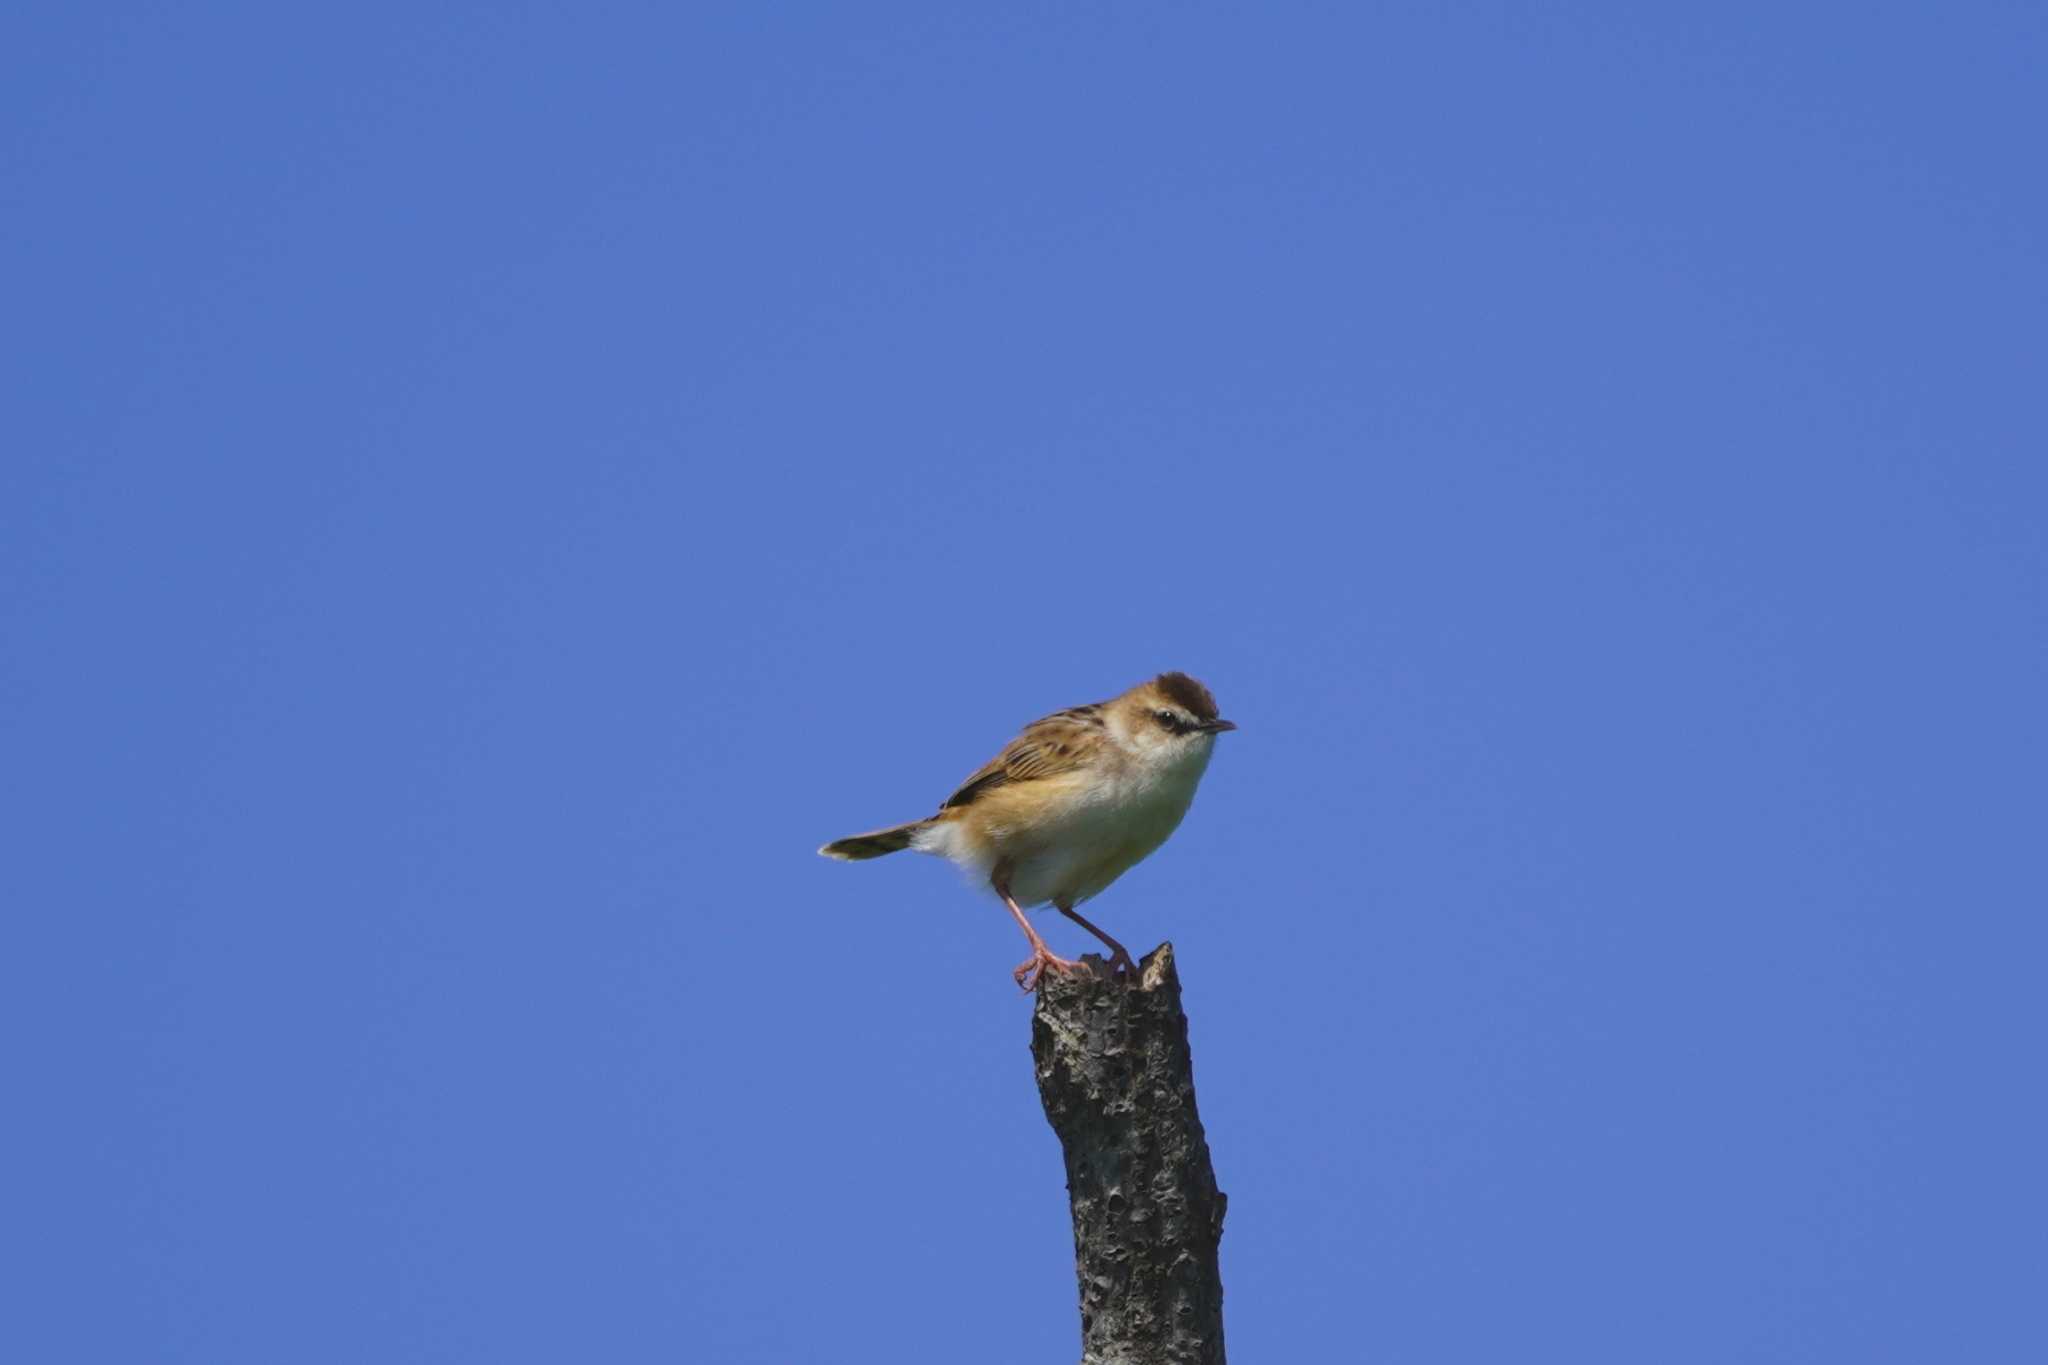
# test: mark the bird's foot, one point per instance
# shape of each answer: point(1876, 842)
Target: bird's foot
point(1033, 969)
point(1120, 964)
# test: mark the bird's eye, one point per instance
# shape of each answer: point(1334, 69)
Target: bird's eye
point(1167, 718)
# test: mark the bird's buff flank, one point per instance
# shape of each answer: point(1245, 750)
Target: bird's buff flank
point(1071, 804)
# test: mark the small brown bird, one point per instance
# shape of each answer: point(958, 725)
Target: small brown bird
point(1074, 802)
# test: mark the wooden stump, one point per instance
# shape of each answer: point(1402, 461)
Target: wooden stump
point(1118, 1086)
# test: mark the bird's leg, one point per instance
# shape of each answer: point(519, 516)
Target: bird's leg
point(1118, 958)
point(1041, 959)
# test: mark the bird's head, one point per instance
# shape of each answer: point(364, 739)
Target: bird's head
point(1168, 719)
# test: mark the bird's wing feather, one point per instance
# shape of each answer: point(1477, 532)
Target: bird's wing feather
point(1059, 743)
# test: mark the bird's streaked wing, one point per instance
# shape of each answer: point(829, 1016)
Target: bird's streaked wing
point(1059, 743)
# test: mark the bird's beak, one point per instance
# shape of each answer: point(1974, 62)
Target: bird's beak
point(1216, 727)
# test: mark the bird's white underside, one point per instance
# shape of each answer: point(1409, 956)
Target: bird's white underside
point(1100, 826)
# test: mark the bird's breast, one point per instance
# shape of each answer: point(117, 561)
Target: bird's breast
point(1095, 832)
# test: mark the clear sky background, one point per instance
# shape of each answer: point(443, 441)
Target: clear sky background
point(488, 489)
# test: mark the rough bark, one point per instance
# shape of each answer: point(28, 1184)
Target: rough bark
point(1118, 1085)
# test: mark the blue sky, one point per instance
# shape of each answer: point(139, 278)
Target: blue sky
point(488, 490)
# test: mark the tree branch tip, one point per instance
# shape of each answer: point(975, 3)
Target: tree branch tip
point(1155, 971)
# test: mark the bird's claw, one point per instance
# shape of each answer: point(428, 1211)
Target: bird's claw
point(1033, 969)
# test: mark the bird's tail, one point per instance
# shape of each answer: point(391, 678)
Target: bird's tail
point(855, 847)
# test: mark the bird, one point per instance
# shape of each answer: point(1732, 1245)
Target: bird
point(1076, 800)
